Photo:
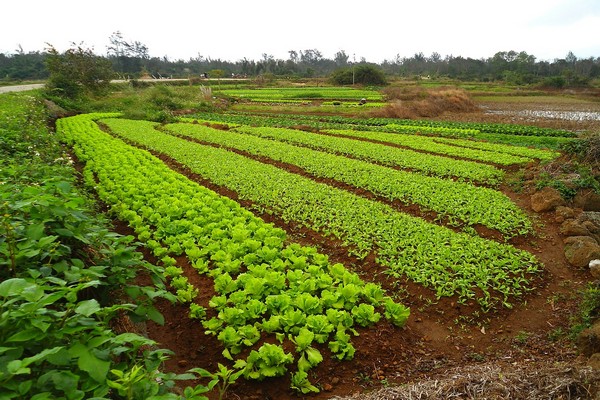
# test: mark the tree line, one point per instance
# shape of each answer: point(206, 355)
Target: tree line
point(131, 60)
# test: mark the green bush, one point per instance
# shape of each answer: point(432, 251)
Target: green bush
point(359, 74)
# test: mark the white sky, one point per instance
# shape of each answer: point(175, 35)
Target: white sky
point(374, 29)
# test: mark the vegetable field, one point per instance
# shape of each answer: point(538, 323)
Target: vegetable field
point(302, 256)
point(412, 204)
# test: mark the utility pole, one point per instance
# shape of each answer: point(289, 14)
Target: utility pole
point(353, 63)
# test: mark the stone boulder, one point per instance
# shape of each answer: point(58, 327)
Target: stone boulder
point(588, 340)
point(564, 213)
point(546, 199)
point(580, 250)
point(574, 227)
point(595, 268)
point(591, 216)
point(587, 201)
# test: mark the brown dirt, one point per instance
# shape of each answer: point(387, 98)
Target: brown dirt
point(439, 336)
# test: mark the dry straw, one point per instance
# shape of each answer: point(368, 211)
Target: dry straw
point(487, 381)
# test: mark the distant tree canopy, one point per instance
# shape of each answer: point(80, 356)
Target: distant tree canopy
point(130, 59)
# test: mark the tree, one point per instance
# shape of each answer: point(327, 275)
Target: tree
point(310, 56)
point(127, 57)
point(363, 74)
point(76, 72)
point(119, 47)
point(341, 58)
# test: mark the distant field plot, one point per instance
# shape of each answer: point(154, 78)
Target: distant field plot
point(304, 93)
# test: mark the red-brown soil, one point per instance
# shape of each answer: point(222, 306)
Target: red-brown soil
point(439, 336)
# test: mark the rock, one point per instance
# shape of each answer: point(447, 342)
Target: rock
point(591, 227)
point(587, 200)
point(574, 227)
point(592, 216)
point(580, 250)
point(595, 268)
point(563, 213)
point(588, 341)
point(546, 199)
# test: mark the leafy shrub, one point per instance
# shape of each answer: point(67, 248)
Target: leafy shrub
point(360, 74)
point(589, 309)
point(77, 72)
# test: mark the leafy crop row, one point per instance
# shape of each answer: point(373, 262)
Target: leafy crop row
point(395, 157)
point(275, 94)
point(448, 262)
point(457, 200)
point(428, 144)
point(539, 154)
point(512, 134)
point(263, 285)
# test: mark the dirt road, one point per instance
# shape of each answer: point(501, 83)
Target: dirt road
point(20, 88)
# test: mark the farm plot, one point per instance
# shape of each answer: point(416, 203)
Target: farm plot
point(459, 202)
point(264, 287)
point(496, 154)
point(429, 164)
point(300, 94)
point(512, 135)
point(450, 263)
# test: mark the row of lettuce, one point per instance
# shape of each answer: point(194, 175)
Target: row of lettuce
point(450, 263)
point(282, 94)
point(445, 197)
point(522, 135)
point(60, 268)
point(264, 285)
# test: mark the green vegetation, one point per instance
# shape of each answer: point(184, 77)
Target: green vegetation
point(303, 93)
point(446, 197)
point(262, 284)
point(432, 146)
point(359, 74)
point(60, 269)
point(513, 69)
point(475, 269)
point(518, 135)
point(279, 309)
point(77, 72)
point(428, 164)
point(589, 310)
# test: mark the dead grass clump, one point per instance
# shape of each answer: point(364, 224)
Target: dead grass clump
point(404, 93)
point(414, 102)
point(530, 382)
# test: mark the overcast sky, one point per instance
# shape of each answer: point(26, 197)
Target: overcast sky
point(374, 29)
